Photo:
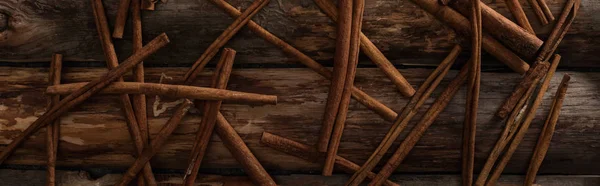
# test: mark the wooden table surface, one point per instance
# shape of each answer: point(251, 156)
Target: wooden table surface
point(95, 134)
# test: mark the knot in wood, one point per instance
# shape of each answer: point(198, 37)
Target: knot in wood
point(3, 21)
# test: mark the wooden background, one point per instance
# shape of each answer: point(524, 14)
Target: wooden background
point(95, 135)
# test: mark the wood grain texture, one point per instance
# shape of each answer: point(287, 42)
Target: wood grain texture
point(302, 96)
point(405, 33)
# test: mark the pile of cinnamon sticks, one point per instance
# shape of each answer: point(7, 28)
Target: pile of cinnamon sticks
point(514, 44)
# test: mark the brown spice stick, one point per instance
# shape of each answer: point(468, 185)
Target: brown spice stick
point(358, 8)
point(157, 143)
point(85, 92)
point(360, 96)
point(539, 70)
point(148, 4)
point(517, 11)
point(242, 153)
point(52, 130)
point(461, 25)
point(470, 123)
point(121, 18)
point(112, 62)
point(176, 91)
point(229, 32)
point(139, 100)
point(310, 154)
point(512, 124)
point(546, 10)
point(445, 2)
point(209, 117)
point(547, 131)
point(538, 12)
point(340, 68)
point(371, 50)
point(428, 118)
point(408, 112)
point(525, 125)
point(559, 31)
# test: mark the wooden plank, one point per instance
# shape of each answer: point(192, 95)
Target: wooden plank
point(406, 34)
point(95, 134)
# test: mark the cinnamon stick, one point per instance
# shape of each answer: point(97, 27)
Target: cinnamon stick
point(148, 4)
point(538, 12)
point(360, 96)
point(546, 10)
point(547, 131)
point(220, 80)
point(176, 91)
point(157, 143)
point(472, 103)
point(229, 32)
point(310, 154)
point(560, 29)
point(358, 8)
point(461, 24)
point(242, 153)
point(408, 112)
point(121, 18)
point(85, 92)
point(139, 100)
point(413, 137)
point(525, 125)
point(340, 68)
point(538, 70)
point(371, 50)
point(517, 11)
point(112, 62)
point(52, 130)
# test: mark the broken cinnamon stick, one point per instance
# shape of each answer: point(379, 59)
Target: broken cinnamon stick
point(538, 12)
point(517, 11)
point(560, 29)
point(229, 32)
point(428, 118)
point(358, 8)
point(360, 96)
point(220, 80)
point(148, 4)
point(408, 112)
point(177, 91)
point(121, 18)
point(538, 70)
point(85, 92)
point(472, 103)
point(52, 130)
point(547, 131)
point(460, 24)
point(371, 50)
point(139, 100)
point(525, 125)
point(340, 68)
point(112, 62)
point(157, 143)
point(310, 154)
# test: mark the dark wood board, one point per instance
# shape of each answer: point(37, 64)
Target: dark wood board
point(406, 34)
point(95, 135)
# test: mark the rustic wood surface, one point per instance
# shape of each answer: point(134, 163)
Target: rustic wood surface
point(95, 133)
point(406, 34)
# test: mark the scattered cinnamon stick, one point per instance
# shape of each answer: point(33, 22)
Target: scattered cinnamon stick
point(408, 112)
point(112, 62)
point(547, 131)
point(371, 50)
point(461, 24)
point(517, 11)
point(472, 103)
point(340, 68)
point(560, 29)
point(428, 118)
point(229, 32)
point(310, 154)
point(538, 12)
point(139, 100)
point(121, 18)
point(360, 96)
point(176, 91)
point(148, 4)
point(546, 10)
point(525, 125)
point(539, 70)
point(358, 8)
point(157, 143)
point(52, 130)
point(85, 92)
point(220, 80)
